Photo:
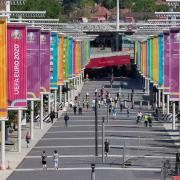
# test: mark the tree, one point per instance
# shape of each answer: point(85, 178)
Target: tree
point(144, 6)
point(52, 7)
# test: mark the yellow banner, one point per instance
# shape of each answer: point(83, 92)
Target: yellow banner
point(3, 70)
point(60, 60)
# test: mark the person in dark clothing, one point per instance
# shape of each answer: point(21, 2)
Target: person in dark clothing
point(66, 118)
point(132, 90)
point(52, 116)
point(28, 139)
point(80, 110)
point(110, 108)
point(106, 147)
point(75, 109)
point(43, 158)
point(121, 106)
point(87, 105)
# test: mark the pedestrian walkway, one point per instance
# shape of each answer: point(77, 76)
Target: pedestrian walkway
point(144, 148)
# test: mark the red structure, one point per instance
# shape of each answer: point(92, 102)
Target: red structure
point(108, 61)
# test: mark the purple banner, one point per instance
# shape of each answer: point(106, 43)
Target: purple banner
point(166, 62)
point(174, 64)
point(45, 61)
point(33, 63)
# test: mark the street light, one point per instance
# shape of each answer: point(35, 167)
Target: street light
point(96, 125)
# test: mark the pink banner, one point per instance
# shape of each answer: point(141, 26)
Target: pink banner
point(16, 55)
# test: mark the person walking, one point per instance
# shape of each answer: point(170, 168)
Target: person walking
point(106, 147)
point(56, 159)
point(128, 111)
point(99, 103)
point(146, 120)
point(87, 104)
point(43, 160)
point(80, 110)
point(66, 118)
point(52, 116)
point(121, 106)
point(83, 103)
point(28, 139)
point(114, 112)
point(87, 95)
point(75, 109)
point(150, 120)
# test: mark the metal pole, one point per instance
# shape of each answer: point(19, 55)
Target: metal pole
point(163, 102)
point(174, 115)
point(124, 154)
point(156, 95)
point(49, 103)
point(117, 23)
point(167, 103)
point(147, 86)
point(32, 120)
point(96, 126)
point(93, 172)
point(41, 115)
point(19, 129)
point(60, 94)
point(103, 135)
point(159, 98)
point(107, 112)
point(3, 157)
point(55, 101)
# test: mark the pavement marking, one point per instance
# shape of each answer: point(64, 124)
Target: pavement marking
point(117, 138)
point(100, 146)
point(110, 156)
point(89, 168)
point(89, 125)
point(143, 132)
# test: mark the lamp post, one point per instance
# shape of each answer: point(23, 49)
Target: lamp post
point(96, 125)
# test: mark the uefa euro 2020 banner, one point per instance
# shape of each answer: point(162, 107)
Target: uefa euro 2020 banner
point(16, 57)
point(33, 63)
point(45, 61)
point(174, 64)
point(166, 61)
point(3, 70)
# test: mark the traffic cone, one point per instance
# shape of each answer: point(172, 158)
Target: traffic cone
point(8, 166)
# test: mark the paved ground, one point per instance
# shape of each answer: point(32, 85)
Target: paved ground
point(145, 148)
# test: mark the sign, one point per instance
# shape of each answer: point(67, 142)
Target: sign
point(54, 61)
point(33, 63)
point(174, 64)
point(45, 61)
point(3, 71)
point(166, 61)
point(16, 57)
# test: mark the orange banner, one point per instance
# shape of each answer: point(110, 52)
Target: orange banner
point(60, 60)
point(3, 70)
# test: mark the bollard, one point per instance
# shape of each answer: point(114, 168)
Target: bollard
point(92, 171)
point(103, 140)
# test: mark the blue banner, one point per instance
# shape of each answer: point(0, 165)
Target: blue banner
point(70, 58)
point(160, 60)
point(54, 61)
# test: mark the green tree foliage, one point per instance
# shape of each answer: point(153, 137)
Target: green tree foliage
point(52, 7)
point(144, 6)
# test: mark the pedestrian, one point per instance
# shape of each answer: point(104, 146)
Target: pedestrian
point(146, 120)
point(106, 147)
point(56, 159)
point(132, 91)
point(150, 120)
point(43, 160)
point(87, 104)
point(110, 108)
point(28, 139)
point(118, 95)
point(75, 109)
point(128, 111)
point(96, 91)
point(131, 97)
point(66, 118)
point(121, 106)
point(99, 103)
point(87, 95)
point(80, 110)
point(83, 102)
point(52, 116)
point(115, 101)
point(114, 112)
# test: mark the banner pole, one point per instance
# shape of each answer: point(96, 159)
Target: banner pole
point(41, 115)
point(19, 129)
point(32, 120)
point(3, 144)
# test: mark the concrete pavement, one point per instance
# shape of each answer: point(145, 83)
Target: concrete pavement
point(145, 148)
